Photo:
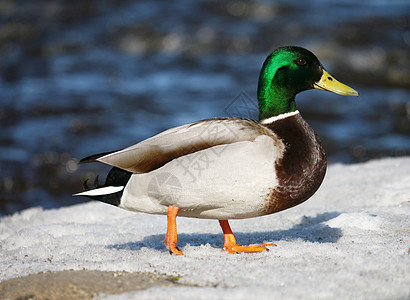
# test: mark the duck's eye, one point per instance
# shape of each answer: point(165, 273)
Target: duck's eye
point(300, 62)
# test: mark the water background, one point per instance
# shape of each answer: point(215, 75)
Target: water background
point(82, 77)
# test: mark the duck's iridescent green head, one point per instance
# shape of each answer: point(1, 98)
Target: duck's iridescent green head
point(288, 71)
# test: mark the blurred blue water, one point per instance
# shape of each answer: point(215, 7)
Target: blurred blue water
point(82, 78)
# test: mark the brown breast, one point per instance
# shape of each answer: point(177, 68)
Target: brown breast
point(302, 168)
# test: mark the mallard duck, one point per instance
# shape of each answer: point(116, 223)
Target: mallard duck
point(249, 168)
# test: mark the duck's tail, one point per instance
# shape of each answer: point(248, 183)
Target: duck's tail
point(111, 191)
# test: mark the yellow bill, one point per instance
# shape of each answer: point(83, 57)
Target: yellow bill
point(328, 83)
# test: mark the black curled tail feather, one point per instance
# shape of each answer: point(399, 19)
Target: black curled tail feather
point(116, 177)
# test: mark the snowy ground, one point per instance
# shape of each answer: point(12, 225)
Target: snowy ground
point(350, 240)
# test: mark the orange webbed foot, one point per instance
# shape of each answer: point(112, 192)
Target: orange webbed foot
point(172, 247)
point(232, 247)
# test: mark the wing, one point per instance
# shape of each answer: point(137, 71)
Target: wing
point(156, 151)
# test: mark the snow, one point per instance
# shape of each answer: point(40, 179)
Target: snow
point(350, 240)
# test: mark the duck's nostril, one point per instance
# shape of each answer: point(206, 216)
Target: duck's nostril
point(330, 78)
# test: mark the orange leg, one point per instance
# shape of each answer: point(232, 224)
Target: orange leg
point(170, 240)
point(230, 244)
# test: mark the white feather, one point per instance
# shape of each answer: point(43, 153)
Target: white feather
point(101, 191)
